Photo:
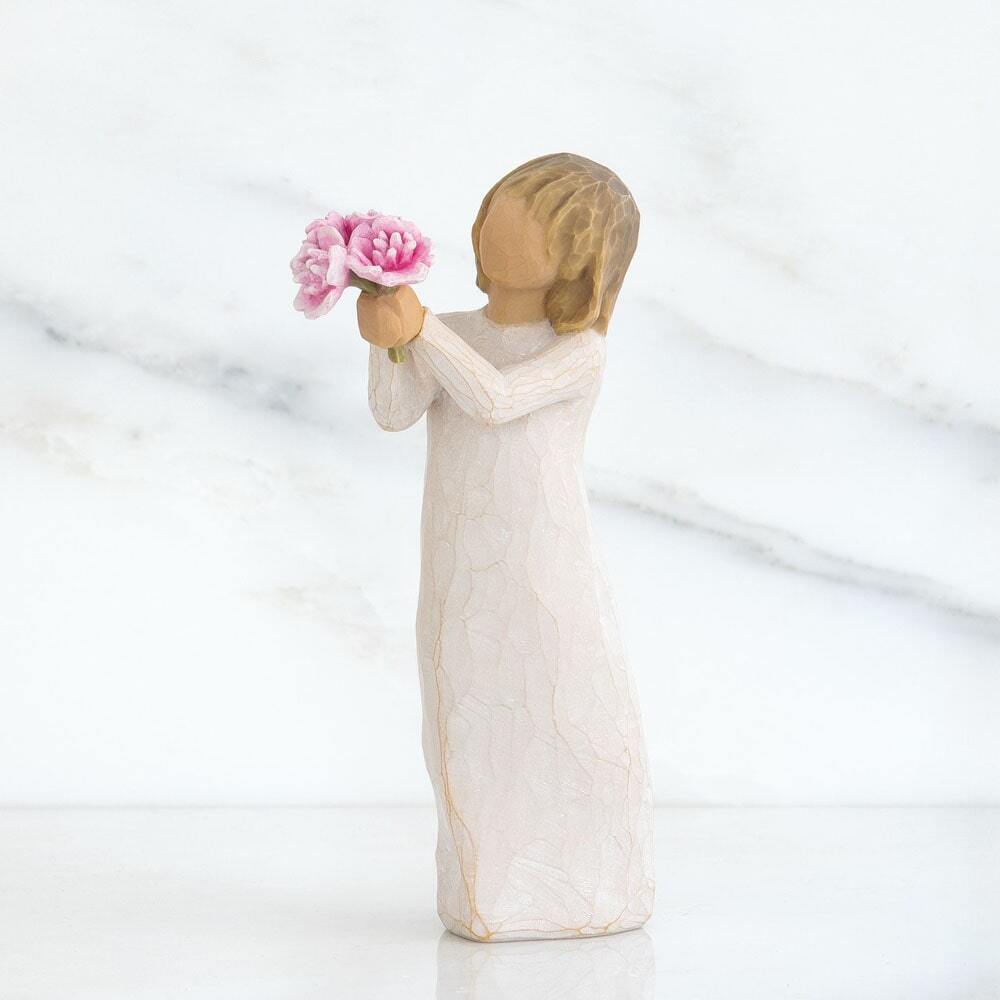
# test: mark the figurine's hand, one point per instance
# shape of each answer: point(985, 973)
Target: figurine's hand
point(391, 319)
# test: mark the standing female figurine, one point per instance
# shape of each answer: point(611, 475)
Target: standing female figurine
point(531, 731)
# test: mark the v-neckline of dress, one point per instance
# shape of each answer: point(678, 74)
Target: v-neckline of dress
point(535, 324)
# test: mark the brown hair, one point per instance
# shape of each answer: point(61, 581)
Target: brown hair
point(591, 225)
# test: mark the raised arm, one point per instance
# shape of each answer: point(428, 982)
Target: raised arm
point(398, 395)
point(570, 368)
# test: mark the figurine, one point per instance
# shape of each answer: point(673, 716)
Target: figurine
point(531, 730)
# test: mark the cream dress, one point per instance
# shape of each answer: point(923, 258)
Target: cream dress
point(531, 730)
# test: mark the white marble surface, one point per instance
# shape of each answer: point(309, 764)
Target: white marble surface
point(761, 904)
point(209, 550)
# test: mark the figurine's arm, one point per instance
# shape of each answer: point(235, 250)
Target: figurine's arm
point(566, 370)
point(398, 394)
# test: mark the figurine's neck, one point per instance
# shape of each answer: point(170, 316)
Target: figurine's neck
point(510, 306)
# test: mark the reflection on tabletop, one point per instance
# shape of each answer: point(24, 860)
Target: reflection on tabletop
point(619, 965)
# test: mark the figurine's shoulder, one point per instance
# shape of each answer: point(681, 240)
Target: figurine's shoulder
point(463, 322)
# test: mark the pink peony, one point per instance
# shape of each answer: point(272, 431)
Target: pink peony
point(387, 250)
point(320, 266)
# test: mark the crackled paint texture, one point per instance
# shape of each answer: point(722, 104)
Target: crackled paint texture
point(531, 730)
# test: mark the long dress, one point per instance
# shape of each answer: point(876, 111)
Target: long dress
point(531, 730)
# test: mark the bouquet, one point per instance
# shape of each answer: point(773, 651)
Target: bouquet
point(372, 251)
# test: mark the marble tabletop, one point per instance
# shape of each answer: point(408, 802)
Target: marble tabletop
point(763, 904)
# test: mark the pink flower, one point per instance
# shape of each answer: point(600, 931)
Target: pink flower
point(320, 266)
point(387, 250)
point(356, 218)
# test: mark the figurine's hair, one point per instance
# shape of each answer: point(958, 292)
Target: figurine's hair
point(591, 226)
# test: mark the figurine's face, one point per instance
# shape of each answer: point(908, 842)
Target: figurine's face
point(512, 249)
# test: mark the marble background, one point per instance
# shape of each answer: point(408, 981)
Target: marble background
point(209, 551)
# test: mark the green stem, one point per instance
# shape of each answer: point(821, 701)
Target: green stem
point(369, 286)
